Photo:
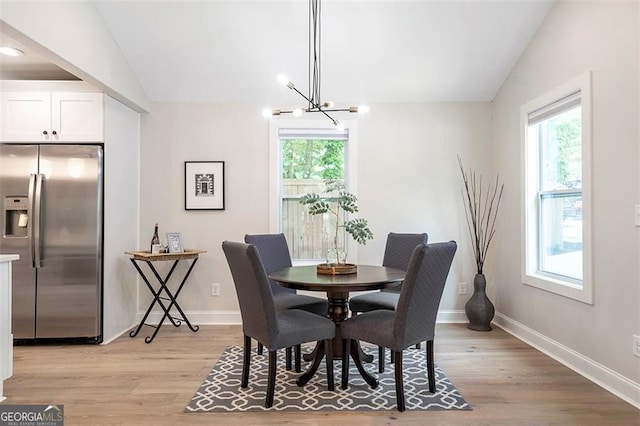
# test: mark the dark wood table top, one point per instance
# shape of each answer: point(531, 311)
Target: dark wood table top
point(368, 277)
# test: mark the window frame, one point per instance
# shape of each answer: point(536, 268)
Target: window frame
point(275, 173)
point(580, 290)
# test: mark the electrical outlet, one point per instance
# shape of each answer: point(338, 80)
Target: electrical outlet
point(215, 289)
point(636, 345)
point(462, 288)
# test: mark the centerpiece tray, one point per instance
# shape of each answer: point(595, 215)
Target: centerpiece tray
point(331, 269)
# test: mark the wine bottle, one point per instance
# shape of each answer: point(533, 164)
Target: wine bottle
point(155, 240)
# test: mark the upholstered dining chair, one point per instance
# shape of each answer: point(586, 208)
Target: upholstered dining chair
point(274, 252)
point(412, 321)
point(262, 322)
point(397, 253)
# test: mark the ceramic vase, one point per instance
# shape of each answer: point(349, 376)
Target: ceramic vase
point(479, 308)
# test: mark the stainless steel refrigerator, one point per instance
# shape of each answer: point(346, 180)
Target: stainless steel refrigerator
point(52, 216)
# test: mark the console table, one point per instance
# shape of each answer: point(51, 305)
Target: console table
point(6, 337)
point(163, 294)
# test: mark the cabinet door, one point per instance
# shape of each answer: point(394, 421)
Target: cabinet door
point(77, 117)
point(26, 116)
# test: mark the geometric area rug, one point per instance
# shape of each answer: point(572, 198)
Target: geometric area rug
point(221, 391)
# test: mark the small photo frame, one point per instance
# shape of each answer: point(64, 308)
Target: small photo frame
point(204, 185)
point(174, 241)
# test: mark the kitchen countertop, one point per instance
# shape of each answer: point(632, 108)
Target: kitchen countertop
point(8, 257)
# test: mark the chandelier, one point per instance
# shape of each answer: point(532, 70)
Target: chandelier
point(314, 102)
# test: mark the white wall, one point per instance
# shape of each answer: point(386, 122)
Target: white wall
point(574, 38)
point(408, 181)
point(121, 202)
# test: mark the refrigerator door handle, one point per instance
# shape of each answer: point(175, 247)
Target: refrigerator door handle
point(37, 223)
point(30, 215)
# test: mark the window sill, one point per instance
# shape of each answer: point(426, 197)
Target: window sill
point(581, 293)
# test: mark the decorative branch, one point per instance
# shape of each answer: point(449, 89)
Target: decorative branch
point(481, 212)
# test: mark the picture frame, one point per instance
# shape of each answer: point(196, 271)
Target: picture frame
point(204, 185)
point(174, 242)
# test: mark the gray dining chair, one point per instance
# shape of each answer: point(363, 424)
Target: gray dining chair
point(274, 251)
point(262, 322)
point(412, 321)
point(397, 253)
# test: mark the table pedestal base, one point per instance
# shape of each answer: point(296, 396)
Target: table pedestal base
point(319, 352)
point(338, 311)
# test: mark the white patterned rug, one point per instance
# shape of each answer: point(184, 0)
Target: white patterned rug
point(221, 390)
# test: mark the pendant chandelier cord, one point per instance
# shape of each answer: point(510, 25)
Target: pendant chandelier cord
point(315, 104)
point(314, 62)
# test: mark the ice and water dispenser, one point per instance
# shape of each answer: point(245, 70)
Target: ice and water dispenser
point(16, 217)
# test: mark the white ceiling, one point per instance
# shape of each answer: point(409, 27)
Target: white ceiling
point(372, 51)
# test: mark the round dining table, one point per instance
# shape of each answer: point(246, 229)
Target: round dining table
point(337, 288)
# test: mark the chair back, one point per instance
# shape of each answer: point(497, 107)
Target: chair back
point(421, 292)
point(253, 290)
point(274, 252)
point(400, 247)
point(398, 251)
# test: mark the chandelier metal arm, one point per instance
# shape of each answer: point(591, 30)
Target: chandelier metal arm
point(314, 107)
point(313, 100)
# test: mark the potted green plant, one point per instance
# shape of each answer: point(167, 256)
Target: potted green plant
point(338, 204)
point(481, 212)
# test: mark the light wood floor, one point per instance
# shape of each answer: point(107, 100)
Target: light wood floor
point(128, 382)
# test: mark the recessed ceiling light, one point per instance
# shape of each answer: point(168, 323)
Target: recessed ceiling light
point(10, 51)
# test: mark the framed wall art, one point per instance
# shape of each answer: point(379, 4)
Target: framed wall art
point(204, 185)
point(174, 241)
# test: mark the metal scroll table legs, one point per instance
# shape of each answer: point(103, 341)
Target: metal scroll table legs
point(161, 297)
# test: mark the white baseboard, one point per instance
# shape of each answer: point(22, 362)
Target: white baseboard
point(202, 317)
point(120, 333)
point(451, 317)
point(615, 383)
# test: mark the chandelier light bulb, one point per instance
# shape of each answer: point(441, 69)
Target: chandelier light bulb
point(328, 104)
point(266, 113)
point(339, 125)
point(363, 109)
point(283, 79)
point(297, 112)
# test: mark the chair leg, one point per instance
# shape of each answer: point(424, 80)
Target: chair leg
point(399, 381)
point(431, 370)
point(393, 357)
point(346, 349)
point(260, 348)
point(381, 355)
point(271, 380)
point(418, 345)
point(298, 357)
point(288, 358)
point(246, 362)
point(328, 347)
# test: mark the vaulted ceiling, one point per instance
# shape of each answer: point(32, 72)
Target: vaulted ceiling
point(372, 51)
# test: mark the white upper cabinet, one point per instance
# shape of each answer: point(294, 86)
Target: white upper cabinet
point(52, 117)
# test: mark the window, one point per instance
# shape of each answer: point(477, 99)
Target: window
point(303, 153)
point(556, 220)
